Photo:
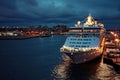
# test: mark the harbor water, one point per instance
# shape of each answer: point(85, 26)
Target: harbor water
point(40, 59)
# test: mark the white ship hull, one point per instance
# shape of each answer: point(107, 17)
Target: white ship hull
point(78, 57)
point(83, 57)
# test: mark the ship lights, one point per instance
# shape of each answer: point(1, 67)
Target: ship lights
point(84, 49)
point(66, 48)
point(78, 24)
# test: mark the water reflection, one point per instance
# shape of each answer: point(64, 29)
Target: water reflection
point(61, 71)
point(106, 72)
point(94, 70)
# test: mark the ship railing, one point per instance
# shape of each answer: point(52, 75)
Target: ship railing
point(75, 50)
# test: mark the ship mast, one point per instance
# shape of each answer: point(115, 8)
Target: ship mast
point(89, 21)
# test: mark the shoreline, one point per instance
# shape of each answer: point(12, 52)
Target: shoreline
point(20, 37)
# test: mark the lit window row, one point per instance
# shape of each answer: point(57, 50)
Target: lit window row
point(78, 46)
point(82, 39)
point(79, 42)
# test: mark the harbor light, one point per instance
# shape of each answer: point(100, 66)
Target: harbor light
point(115, 35)
point(116, 40)
point(112, 33)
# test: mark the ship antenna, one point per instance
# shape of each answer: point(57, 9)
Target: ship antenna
point(89, 14)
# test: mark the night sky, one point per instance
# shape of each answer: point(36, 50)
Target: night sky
point(53, 12)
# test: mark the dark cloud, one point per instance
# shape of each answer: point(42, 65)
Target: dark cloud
point(59, 11)
point(30, 2)
point(8, 4)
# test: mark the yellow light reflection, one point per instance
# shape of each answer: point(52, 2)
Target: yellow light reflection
point(60, 72)
point(106, 72)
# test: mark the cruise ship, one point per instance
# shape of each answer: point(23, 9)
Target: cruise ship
point(85, 41)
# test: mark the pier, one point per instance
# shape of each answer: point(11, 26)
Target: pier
point(111, 53)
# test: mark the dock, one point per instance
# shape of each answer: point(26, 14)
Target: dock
point(111, 52)
point(115, 60)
